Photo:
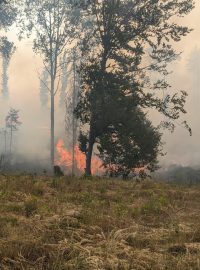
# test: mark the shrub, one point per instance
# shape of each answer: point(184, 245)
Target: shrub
point(30, 206)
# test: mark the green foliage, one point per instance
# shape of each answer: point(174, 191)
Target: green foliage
point(116, 85)
point(54, 25)
point(83, 140)
point(51, 21)
point(8, 14)
point(133, 143)
point(12, 119)
point(7, 48)
point(14, 208)
point(154, 204)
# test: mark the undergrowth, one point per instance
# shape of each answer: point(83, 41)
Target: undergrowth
point(70, 223)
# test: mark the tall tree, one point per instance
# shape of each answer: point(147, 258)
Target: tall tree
point(44, 81)
point(64, 80)
point(71, 103)
point(54, 24)
point(130, 38)
point(8, 14)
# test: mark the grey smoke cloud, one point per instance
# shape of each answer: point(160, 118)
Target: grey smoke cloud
point(32, 140)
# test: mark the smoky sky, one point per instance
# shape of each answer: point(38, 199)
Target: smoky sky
point(32, 139)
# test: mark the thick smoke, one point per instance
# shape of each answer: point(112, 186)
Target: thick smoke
point(44, 92)
point(28, 91)
point(31, 144)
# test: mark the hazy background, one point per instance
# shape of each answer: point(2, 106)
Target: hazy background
point(32, 140)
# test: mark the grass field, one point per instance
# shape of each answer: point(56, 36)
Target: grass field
point(95, 224)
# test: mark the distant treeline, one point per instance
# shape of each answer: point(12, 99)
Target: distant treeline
point(181, 175)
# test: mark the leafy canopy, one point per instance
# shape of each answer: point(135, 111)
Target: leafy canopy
point(127, 43)
point(8, 14)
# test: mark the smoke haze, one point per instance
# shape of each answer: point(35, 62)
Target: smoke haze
point(32, 139)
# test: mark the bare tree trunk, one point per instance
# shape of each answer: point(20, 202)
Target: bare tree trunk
point(5, 78)
point(73, 117)
point(5, 141)
point(11, 137)
point(52, 125)
point(92, 136)
point(88, 169)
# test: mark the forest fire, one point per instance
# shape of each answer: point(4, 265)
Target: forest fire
point(65, 159)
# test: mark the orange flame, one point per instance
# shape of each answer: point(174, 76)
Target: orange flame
point(65, 159)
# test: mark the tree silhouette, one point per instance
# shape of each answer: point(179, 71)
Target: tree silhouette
point(116, 64)
point(12, 124)
point(54, 25)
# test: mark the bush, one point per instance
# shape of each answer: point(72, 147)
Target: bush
point(30, 206)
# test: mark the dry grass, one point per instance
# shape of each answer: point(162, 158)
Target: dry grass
point(68, 223)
